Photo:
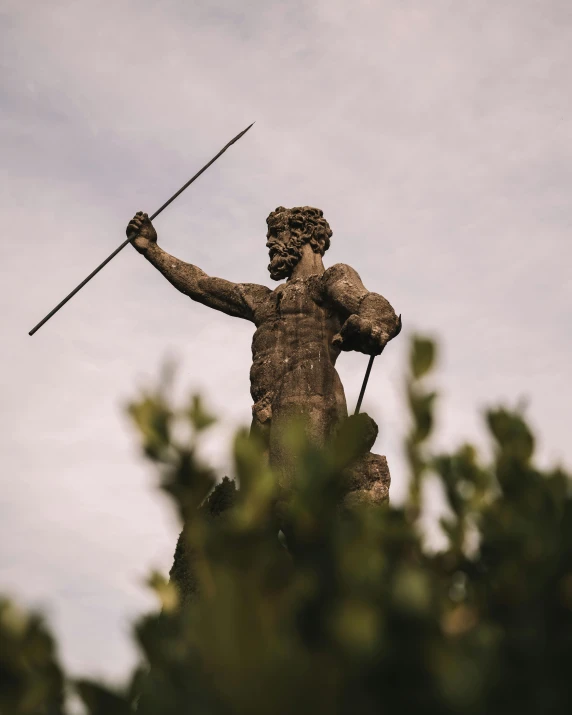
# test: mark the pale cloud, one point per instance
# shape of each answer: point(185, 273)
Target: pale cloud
point(435, 136)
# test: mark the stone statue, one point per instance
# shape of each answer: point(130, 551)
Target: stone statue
point(301, 328)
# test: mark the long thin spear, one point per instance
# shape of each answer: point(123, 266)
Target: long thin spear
point(164, 206)
point(370, 365)
point(364, 384)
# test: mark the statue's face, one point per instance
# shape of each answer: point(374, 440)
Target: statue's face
point(283, 252)
point(277, 238)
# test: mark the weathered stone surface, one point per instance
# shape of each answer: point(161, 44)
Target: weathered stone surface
point(301, 328)
point(369, 481)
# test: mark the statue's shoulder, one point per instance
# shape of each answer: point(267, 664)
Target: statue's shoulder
point(254, 291)
point(343, 288)
point(339, 272)
point(255, 298)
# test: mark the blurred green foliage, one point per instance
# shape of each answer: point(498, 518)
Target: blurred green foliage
point(349, 612)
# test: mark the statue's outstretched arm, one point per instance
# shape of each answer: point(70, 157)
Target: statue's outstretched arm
point(236, 299)
point(369, 319)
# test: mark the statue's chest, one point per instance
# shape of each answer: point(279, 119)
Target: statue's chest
point(296, 298)
point(290, 302)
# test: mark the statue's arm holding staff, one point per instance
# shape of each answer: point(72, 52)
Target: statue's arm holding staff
point(369, 319)
point(236, 299)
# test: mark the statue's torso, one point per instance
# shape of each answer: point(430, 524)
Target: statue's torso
point(295, 327)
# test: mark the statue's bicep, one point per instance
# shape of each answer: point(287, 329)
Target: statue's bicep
point(343, 288)
point(220, 294)
point(237, 299)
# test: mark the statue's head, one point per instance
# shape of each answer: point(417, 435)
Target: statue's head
point(288, 231)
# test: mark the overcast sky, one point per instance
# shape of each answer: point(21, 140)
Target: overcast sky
point(435, 135)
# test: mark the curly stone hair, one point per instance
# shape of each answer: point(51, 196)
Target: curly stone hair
point(306, 224)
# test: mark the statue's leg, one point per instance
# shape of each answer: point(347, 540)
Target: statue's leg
point(312, 395)
point(262, 421)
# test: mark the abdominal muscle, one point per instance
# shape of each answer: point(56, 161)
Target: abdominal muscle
point(293, 373)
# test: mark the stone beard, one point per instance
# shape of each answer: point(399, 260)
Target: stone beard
point(304, 225)
point(301, 328)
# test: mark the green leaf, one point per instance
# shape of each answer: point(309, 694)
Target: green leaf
point(187, 481)
point(512, 434)
point(422, 356)
point(166, 591)
point(153, 418)
point(422, 405)
point(198, 415)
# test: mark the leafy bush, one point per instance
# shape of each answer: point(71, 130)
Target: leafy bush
point(349, 612)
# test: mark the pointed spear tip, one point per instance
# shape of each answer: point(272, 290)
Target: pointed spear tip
point(238, 136)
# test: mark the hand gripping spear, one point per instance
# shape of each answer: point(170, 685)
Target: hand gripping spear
point(164, 206)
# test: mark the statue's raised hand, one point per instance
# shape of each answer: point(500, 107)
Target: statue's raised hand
point(141, 232)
